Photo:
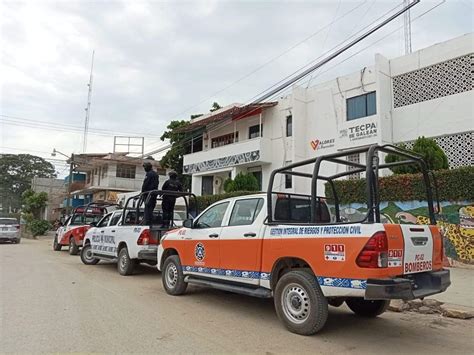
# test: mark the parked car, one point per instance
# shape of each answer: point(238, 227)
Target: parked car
point(72, 232)
point(9, 230)
point(122, 236)
point(288, 246)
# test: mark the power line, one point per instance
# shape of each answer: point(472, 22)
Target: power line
point(288, 80)
point(271, 60)
point(20, 121)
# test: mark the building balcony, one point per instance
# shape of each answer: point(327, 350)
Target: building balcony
point(250, 151)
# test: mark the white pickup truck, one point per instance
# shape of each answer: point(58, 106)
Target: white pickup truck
point(292, 248)
point(121, 236)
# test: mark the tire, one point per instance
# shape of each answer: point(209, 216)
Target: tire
point(366, 308)
point(73, 248)
point(56, 245)
point(300, 303)
point(17, 241)
point(125, 265)
point(336, 302)
point(172, 276)
point(86, 255)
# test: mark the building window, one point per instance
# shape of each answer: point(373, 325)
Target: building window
point(361, 106)
point(288, 178)
point(255, 131)
point(224, 140)
point(126, 171)
point(353, 158)
point(289, 126)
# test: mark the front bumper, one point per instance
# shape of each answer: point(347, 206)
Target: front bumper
point(408, 287)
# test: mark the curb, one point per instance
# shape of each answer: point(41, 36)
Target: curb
point(432, 306)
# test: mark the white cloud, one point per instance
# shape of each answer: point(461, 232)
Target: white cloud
point(154, 59)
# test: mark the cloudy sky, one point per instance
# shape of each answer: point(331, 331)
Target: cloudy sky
point(158, 61)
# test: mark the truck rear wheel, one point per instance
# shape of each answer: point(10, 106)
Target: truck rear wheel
point(87, 256)
point(73, 248)
point(125, 265)
point(366, 308)
point(172, 276)
point(56, 245)
point(300, 303)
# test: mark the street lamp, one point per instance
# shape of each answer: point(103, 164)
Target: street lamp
point(71, 168)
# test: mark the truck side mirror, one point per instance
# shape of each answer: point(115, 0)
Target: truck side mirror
point(188, 223)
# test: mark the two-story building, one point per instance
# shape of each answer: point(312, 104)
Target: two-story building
point(426, 93)
point(108, 174)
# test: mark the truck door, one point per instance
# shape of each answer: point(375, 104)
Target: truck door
point(110, 234)
point(99, 242)
point(241, 242)
point(200, 253)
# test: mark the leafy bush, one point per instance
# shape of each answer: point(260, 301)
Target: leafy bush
point(432, 153)
point(38, 227)
point(242, 182)
point(205, 201)
point(34, 201)
point(453, 185)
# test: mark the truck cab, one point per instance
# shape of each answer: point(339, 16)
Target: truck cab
point(299, 250)
point(123, 237)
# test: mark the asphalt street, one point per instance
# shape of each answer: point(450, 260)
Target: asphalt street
point(51, 302)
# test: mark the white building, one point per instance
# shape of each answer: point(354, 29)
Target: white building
point(427, 93)
point(108, 174)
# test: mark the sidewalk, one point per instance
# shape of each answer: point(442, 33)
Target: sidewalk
point(461, 291)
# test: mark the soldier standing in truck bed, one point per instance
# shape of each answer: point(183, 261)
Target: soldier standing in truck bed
point(168, 202)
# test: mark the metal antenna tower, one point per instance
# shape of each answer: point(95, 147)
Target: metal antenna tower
point(88, 108)
point(407, 28)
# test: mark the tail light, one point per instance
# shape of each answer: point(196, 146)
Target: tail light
point(375, 252)
point(146, 238)
point(17, 227)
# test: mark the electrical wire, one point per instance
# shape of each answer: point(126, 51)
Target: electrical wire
point(25, 122)
point(223, 124)
point(271, 60)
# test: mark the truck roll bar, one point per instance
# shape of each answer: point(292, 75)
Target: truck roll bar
point(371, 169)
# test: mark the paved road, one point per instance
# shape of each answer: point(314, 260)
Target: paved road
point(51, 302)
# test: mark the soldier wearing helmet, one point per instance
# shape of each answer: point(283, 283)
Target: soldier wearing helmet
point(150, 183)
point(168, 202)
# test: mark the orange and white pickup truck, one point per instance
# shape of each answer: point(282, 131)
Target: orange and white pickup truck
point(299, 250)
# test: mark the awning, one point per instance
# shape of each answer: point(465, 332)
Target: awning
point(234, 113)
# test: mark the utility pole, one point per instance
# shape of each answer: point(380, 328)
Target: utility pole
point(88, 108)
point(407, 27)
point(69, 184)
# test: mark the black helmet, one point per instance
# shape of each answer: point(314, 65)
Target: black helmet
point(147, 166)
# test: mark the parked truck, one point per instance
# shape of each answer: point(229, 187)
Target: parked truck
point(71, 233)
point(299, 250)
point(123, 237)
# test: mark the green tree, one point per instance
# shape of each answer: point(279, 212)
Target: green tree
point(34, 202)
point(242, 182)
point(16, 173)
point(173, 159)
point(180, 144)
point(215, 107)
point(431, 152)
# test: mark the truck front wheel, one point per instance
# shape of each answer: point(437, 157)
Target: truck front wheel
point(366, 308)
point(172, 276)
point(300, 303)
point(87, 257)
point(125, 265)
point(56, 245)
point(73, 248)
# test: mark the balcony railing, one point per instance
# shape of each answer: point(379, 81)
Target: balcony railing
point(244, 152)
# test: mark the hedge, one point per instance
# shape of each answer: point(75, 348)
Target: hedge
point(453, 185)
point(207, 200)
